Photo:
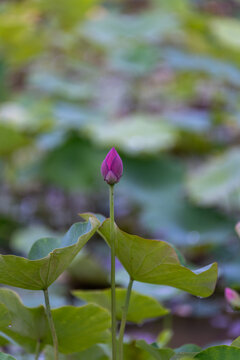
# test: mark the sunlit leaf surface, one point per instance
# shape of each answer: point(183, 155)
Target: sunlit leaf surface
point(156, 262)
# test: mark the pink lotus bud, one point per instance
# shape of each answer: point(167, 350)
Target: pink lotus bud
point(232, 298)
point(237, 228)
point(112, 167)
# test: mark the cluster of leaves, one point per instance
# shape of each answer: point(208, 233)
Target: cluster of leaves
point(83, 332)
point(80, 330)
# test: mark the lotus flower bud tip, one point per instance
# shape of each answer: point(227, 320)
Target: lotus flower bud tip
point(112, 167)
point(230, 295)
point(233, 299)
point(237, 228)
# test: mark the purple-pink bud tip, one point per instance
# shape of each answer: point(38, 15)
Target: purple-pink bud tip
point(237, 228)
point(232, 298)
point(230, 295)
point(112, 167)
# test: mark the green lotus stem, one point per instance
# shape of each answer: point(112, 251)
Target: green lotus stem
point(113, 290)
point(51, 324)
point(37, 351)
point(124, 319)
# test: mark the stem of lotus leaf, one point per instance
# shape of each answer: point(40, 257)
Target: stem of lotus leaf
point(113, 290)
point(37, 351)
point(124, 319)
point(51, 324)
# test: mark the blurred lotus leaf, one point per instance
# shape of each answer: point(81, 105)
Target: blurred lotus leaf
point(86, 270)
point(158, 186)
point(141, 307)
point(217, 181)
point(11, 140)
point(136, 135)
point(186, 352)
point(227, 32)
point(87, 176)
point(68, 14)
point(188, 348)
point(111, 30)
point(18, 32)
point(6, 357)
point(23, 239)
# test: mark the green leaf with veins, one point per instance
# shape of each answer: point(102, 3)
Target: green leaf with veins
point(5, 319)
point(158, 354)
point(141, 307)
point(95, 352)
point(221, 352)
point(236, 342)
point(48, 258)
point(131, 351)
point(78, 328)
point(156, 262)
point(27, 324)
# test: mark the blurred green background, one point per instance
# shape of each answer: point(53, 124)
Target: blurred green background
point(160, 81)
